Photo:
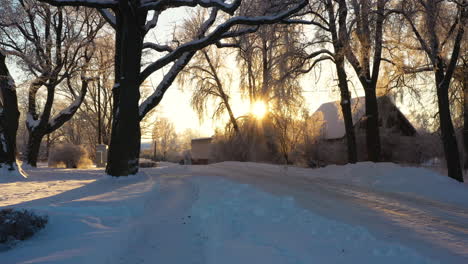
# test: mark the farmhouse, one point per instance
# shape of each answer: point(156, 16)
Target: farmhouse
point(330, 118)
point(329, 128)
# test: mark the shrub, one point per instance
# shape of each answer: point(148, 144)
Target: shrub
point(18, 225)
point(146, 163)
point(69, 156)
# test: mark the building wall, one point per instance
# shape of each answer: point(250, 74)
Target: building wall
point(201, 149)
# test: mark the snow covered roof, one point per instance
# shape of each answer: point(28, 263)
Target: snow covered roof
point(202, 139)
point(331, 117)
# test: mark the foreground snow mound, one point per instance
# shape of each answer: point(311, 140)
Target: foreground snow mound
point(391, 177)
point(244, 225)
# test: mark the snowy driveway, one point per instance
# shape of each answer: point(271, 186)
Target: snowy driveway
point(239, 213)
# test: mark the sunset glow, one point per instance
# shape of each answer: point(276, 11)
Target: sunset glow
point(259, 109)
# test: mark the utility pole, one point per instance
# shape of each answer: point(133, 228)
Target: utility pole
point(99, 112)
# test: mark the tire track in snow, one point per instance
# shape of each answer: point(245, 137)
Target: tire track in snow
point(165, 233)
point(405, 218)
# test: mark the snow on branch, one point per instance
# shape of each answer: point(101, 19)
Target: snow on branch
point(222, 31)
point(164, 4)
point(178, 66)
point(152, 23)
point(167, 81)
point(157, 47)
point(67, 113)
point(87, 3)
point(108, 16)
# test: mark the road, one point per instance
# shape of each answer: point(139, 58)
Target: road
point(434, 228)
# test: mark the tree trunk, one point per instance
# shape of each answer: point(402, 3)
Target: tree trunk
point(34, 146)
point(465, 126)
point(9, 117)
point(372, 124)
point(125, 139)
point(224, 96)
point(449, 139)
point(465, 120)
point(346, 110)
point(338, 36)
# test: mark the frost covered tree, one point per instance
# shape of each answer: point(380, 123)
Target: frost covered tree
point(210, 83)
point(132, 20)
point(52, 45)
point(330, 21)
point(164, 139)
point(439, 28)
point(364, 53)
point(9, 118)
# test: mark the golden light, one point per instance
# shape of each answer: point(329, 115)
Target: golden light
point(259, 109)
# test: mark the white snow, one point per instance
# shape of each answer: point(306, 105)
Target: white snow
point(243, 213)
point(329, 115)
point(248, 226)
point(8, 176)
point(31, 123)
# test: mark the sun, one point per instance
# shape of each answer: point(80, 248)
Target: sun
point(259, 109)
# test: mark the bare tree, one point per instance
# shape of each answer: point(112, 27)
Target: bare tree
point(9, 117)
point(96, 109)
point(132, 21)
point(208, 75)
point(205, 72)
point(442, 47)
point(330, 19)
point(164, 139)
point(364, 52)
point(53, 45)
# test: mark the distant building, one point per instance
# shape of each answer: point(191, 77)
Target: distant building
point(330, 118)
point(328, 129)
point(201, 150)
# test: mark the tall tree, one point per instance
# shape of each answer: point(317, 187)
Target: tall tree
point(52, 45)
point(206, 71)
point(132, 20)
point(439, 27)
point(9, 117)
point(364, 52)
point(330, 19)
point(164, 139)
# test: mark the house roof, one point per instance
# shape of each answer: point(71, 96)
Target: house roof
point(332, 118)
point(202, 139)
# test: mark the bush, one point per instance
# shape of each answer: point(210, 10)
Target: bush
point(146, 163)
point(69, 156)
point(18, 225)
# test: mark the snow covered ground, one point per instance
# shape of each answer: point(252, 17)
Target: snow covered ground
point(243, 213)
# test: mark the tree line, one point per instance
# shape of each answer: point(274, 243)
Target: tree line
point(57, 44)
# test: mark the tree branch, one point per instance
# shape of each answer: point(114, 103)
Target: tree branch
point(222, 31)
point(108, 16)
point(160, 5)
point(88, 3)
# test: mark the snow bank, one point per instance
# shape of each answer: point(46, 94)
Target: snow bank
point(243, 225)
point(391, 177)
point(387, 177)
